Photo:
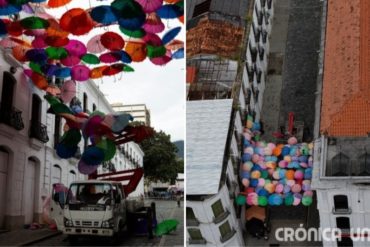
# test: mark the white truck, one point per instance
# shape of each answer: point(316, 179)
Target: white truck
point(95, 208)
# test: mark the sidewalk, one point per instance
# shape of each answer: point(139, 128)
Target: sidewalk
point(24, 237)
point(175, 238)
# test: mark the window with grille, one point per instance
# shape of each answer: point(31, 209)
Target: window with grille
point(218, 209)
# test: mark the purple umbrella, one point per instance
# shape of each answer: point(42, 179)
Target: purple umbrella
point(80, 73)
point(94, 45)
point(86, 169)
point(76, 48)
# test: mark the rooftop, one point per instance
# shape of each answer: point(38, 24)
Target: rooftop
point(207, 128)
point(345, 107)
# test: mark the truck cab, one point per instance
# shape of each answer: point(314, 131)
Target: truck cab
point(94, 207)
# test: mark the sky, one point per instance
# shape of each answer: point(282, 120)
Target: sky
point(161, 88)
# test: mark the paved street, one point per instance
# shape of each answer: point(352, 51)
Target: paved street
point(165, 210)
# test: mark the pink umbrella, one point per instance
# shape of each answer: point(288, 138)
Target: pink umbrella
point(70, 61)
point(68, 91)
point(150, 6)
point(39, 42)
point(163, 60)
point(94, 45)
point(152, 39)
point(80, 73)
point(76, 48)
point(85, 168)
point(110, 57)
point(28, 72)
point(153, 24)
point(35, 32)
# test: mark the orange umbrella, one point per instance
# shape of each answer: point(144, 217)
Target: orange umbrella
point(57, 3)
point(53, 90)
point(172, 1)
point(39, 81)
point(175, 45)
point(97, 72)
point(21, 42)
point(19, 53)
point(137, 51)
point(54, 29)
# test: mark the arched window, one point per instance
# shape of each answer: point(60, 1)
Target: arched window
point(339, 166)
point(56, 174)
point(363, 165)
point(71, 176)
point(37, 130)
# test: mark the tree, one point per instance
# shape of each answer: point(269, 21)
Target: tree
point(160, 162)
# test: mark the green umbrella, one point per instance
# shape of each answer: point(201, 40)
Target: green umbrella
point(139, 33)
point(109, 148)
point(71, 138)
point(90, 59)
point(127, 68)
point(155, 51)
point(35, 67)
point(34, 22)
point(166, 227)
point(56, 52)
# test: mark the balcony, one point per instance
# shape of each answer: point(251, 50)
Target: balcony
point(39, 131)
point(12, 118)
point(197, 241)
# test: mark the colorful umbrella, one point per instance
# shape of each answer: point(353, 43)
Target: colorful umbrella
point(153, 23)
point(34, 22)
point(175, 44)
point(36, 55)
point(54, 29)
point(80, 73)
point(56, 52)
point(19, 53)
point(137, 51)
point(108, 147)
point(49, 69)
point(97, 72)
point(179, 54)
point(166, 227)
point(90, 59)
point(9, 9)
point(75, 16)
point(70, 61)
point(76, 48)
point(139, 33)
point(113, 69)
point(39, 80)
point(103, 14)
point(62, 73)
point(112, 41)
point(35, 67)
point(14, 28)
point(163, 60)
point(155, 51)
point(64, 151)
point(56, 41)
point(85, 168)
point(170, 11)
point(93, 156)
point(94, 45)
point(53, 90)
point(68, 91)
point(129, 13)
point(57, 3)
point(34, 32)
point(152, 39)
point(110, 57)
point(150, 6)
point(170, 35)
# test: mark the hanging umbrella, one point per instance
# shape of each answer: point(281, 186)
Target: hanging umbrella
point(65, 152)
point(76, 48)
point(53, 90)
point(49, 69)
point(80, 73)
point(19, 53)
point(93, 156)
point(57, 3)
point(90, 59)
point(110, 57)
point(152, 39)
point(39, 80)
point(170, 11)
point(120, 122)
point(94, 45)
point(127, 68)
point(62, 73)
point(27, 9)
point(36, 67)
point(21, 42)
point(10, 9)
point(166, 227)
point(34, 32)
point(34, 22)
point(36, 55)
point(108, 147)
point(170, 35)
point(137, 51)
point(171, 1)
point(85, 168)
point(92, 124)
point(179, 54)
point(56, 41)
point(77, 16)
point(125, 57)
point(181, 19)
point(175, 45)
point(163, 60)
point(155, 51)
point(103, 14)
point(150, 6)
point(139, 33)
point(113, 69)
point(54, 29)
point(97, 72)
point(68, 91)
point(14, 28)
point(153, 23)
point(129, 13)
point(39, 42)
point(56, 52)
point(70, 61)
point(112, 41)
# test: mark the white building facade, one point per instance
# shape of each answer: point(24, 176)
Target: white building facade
point(29, 164)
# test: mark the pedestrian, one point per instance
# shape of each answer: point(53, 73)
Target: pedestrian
point(178, 199)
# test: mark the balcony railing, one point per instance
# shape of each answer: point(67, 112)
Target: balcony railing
point(12, 118)
point(39, 131)
point(341, 210)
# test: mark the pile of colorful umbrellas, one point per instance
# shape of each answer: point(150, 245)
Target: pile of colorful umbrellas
point(275, 174)
point(103, 131)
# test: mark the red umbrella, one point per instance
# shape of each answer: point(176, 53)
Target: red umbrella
point(163, 60)
point(57, 3)
point(76, 48)
point(76, 21)
point(152, 39)
point(80, 73)
point(94, 45)
point(54, 29)
point(68, 91)
point(153, 23)
point(34, 32)
point(56, 41)
point(14, 28)
point(112, 41)
point(110, 57)
point(70, 61)
point(113, 69)
point(39, 42)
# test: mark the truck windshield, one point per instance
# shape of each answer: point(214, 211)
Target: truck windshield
point(90, 194)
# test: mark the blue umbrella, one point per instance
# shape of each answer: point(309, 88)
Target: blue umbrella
point(125, 57)
point(103, 14)
point(93, 156)
point(170, 35)
point(170, 11)
point(36, 55)
point(10, 9)
point(121, 121)
point(132, 23)
point(49, 69)
point(64, 151)
point(179, 54)
point(2, 28)
point(63, 72)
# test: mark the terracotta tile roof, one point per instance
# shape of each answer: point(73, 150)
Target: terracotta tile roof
point(345, 107)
